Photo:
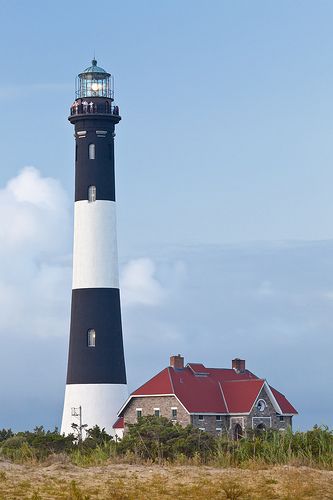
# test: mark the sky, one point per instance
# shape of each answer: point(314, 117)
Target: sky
point(223, 174)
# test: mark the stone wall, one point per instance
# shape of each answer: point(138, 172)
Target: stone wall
point(267, 417)
point(148, 405)
point(210, 423)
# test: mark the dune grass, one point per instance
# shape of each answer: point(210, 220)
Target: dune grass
point(150, 482)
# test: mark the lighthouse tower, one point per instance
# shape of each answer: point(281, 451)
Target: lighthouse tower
point(96, 377)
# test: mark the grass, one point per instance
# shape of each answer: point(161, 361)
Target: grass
point(43, 465)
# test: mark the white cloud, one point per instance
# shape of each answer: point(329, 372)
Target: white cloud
point(139, 284)
point(35, 235)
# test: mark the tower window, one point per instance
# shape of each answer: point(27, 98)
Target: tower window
point(92, 151)
point(92, 193)
point(91, 338)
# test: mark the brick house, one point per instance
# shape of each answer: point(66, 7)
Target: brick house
point(230, 400)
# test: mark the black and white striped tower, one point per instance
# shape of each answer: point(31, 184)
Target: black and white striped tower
point(96, 377)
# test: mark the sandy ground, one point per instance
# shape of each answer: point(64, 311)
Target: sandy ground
point(120, 481)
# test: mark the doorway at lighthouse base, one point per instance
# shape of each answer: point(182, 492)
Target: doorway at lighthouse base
point(97, 404)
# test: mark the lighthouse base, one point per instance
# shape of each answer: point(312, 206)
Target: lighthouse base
point(99, 405)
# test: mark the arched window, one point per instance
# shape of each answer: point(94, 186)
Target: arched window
point(92, 193)
point(92, 151)
point(91, 338)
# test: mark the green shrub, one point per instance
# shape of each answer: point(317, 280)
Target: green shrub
point(5, 434)
point(157, 438)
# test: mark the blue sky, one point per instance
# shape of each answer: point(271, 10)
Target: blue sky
point(224, 174)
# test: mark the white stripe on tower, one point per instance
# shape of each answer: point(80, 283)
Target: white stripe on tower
point(95, 259)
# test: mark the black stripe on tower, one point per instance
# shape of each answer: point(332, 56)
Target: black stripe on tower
point(97, 308)
point(95, 130)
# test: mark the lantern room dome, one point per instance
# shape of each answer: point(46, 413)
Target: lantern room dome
point(94, 81)
point(94, 69)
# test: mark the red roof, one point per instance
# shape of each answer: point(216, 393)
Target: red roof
point(160, 384)
point(211, 390)
point(119, 424)
point(240, 395)
point(283, 402)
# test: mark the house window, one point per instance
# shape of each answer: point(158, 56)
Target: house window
point(156, 412)
point(200, 417)
point(92, 151)
point(91, 338)
point(138, 413)
point(218, 429)
point(91, 193)
point(174, 413)
point(281, 418)
point(218, 417)
point(202, 428)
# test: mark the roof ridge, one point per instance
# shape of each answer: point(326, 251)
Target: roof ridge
point(171, 381)
point(225, 401)
point(244, 380)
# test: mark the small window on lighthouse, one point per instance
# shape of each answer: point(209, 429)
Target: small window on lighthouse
point(92, 193)
point(91, 338)
point(92, 151)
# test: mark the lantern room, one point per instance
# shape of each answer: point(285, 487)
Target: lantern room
point(94, 82)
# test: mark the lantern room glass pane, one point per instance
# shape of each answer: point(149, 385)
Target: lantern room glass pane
point(94, 87)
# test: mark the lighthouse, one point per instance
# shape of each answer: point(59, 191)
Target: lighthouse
point(96, 376)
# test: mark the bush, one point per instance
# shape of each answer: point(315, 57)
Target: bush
point(157, 438)
point(38, 444)
point(5, 434)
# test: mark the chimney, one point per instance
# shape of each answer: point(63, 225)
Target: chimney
point(238, 365)
point(177, 362)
